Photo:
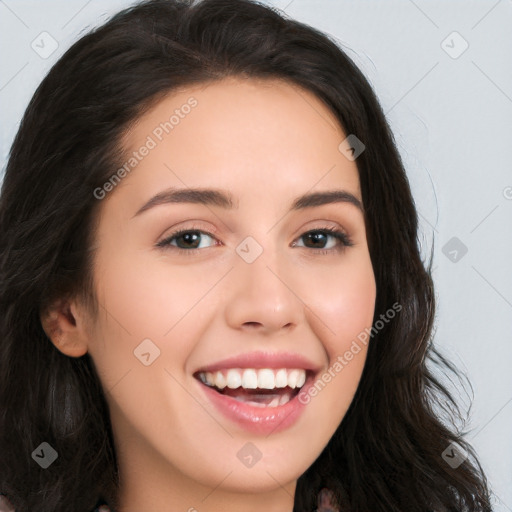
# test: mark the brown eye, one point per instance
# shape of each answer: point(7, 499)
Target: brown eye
point(186, 239)
point(319, 239)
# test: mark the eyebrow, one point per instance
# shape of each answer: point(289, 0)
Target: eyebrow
point(223, 199)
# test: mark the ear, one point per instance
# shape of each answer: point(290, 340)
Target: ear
point(64, 324)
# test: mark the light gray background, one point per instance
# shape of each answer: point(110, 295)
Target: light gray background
point(451, 114)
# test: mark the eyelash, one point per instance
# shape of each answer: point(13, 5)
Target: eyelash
point(341, 236)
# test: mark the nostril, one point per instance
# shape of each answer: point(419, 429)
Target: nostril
point(252, 324)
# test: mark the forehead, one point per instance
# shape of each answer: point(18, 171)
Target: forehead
point(245, 135)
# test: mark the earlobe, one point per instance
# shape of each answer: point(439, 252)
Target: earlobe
point(64, 328)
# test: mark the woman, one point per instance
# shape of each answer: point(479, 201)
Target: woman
point(211, 291)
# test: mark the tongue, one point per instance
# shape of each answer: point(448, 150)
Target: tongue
point(259, 396)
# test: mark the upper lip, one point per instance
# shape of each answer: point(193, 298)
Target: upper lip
point(260, 360)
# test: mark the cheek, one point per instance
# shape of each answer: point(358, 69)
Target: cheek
point(135, 306)
point(143, 299)
point(343, 312)
point(146, 299)
point(353, 310)
point(140, 299)
point(344, 303)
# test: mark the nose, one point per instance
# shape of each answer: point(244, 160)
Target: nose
point(261, 297)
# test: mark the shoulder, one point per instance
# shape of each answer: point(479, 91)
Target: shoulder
point(5, 504)
point(326, 501)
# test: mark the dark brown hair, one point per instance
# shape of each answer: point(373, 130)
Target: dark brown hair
point(386, 454)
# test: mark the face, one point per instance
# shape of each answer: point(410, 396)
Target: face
point(218, 306)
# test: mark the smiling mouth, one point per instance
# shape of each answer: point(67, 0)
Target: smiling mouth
point(257, 387)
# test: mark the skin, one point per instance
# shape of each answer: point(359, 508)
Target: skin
point(266, 142)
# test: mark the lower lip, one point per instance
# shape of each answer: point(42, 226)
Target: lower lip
point(260, 420)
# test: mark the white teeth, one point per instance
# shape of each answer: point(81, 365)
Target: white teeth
point(274, 403)
point(220, 380)
point(233, 379)
point(251, 378)
point(293, 376)
point(281, 378)
point(284, 399)
point(266, 379)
